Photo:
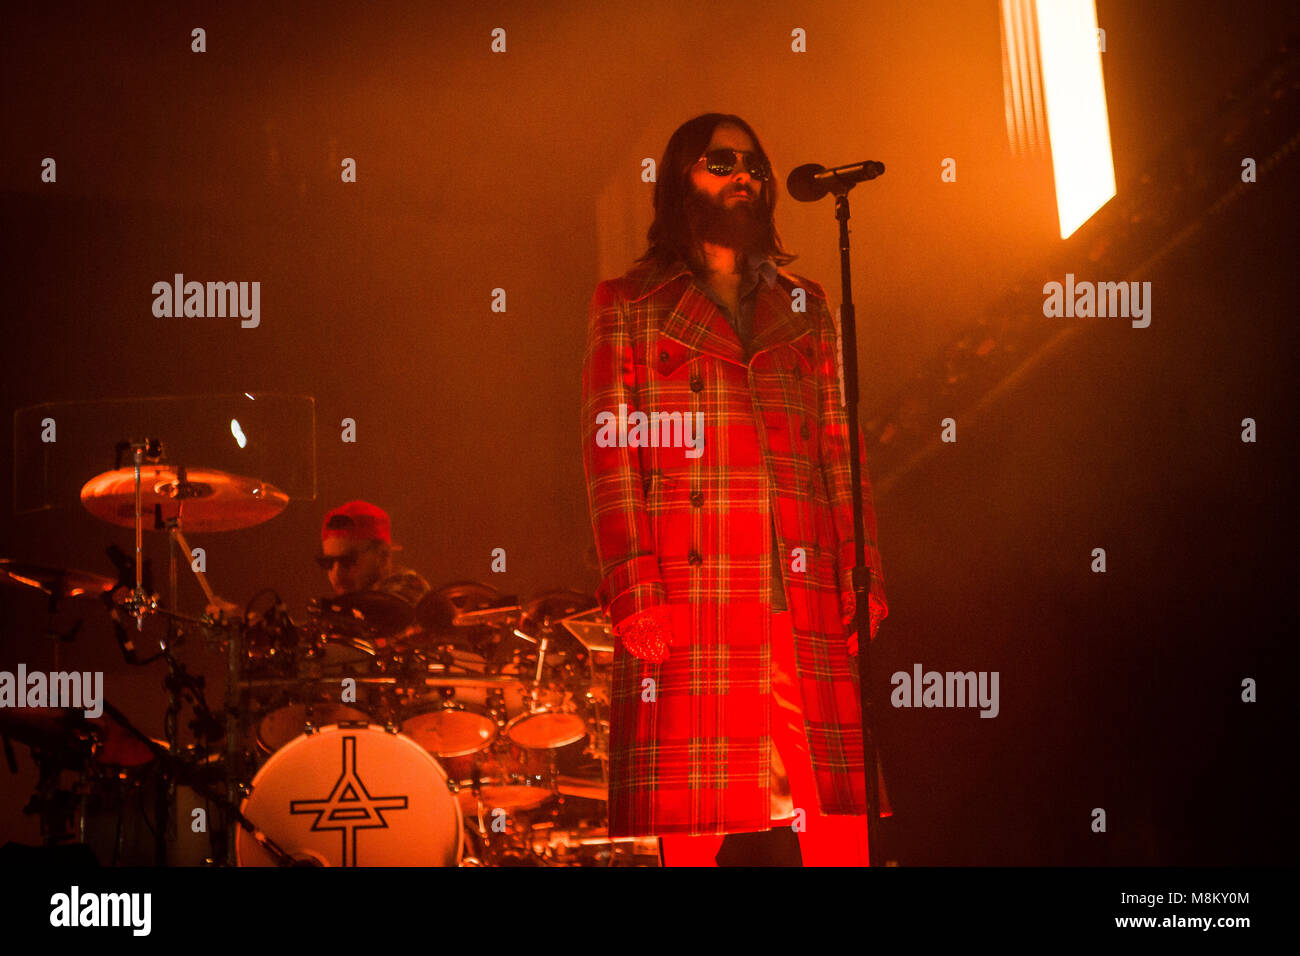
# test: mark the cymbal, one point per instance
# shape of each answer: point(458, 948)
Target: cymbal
point(207, 500)
point(592, 789)
point(54, 582)
point(463, 603)
point(557, 604)
point(379, 611)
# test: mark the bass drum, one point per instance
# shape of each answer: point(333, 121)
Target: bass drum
point(353, 796)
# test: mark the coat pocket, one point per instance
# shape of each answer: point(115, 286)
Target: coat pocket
point(667, 356)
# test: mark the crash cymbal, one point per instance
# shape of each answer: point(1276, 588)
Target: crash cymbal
point(207, 500)
point(464, 604)
point(54, 582)
point(556, 604)
point(380, 612)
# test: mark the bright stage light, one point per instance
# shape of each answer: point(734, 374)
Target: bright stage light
point(1075, 96)
point(1054, 91)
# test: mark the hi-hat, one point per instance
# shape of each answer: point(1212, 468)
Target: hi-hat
point(205, 499)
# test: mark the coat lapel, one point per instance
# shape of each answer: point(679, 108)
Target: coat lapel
point(688, 315)
point(691, 317)
point(698, 323)
point(774, 322)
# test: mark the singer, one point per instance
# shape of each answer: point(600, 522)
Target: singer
point(735, 723)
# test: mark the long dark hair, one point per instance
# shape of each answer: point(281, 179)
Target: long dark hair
point(670, 234)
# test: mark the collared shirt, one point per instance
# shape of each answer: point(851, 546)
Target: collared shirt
point(757, 266)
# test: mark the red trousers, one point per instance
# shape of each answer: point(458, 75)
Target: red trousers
point(823, 840)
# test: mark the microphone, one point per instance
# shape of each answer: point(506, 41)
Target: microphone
point(811, 181)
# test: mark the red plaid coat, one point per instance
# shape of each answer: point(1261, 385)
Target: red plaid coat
point(689, 738)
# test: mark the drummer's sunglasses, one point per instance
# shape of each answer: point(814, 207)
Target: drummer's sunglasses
point(721, 162)
point(345, 561)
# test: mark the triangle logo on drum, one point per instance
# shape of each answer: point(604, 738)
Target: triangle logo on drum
point(349, 807)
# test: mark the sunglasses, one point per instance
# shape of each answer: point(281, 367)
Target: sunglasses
point(345, 561)
point(722, 162)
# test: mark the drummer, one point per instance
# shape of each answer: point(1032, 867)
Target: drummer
point(357, 551)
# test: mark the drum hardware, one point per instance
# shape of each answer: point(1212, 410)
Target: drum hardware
point(509, 703)
point(551, 719)
point(211, 500)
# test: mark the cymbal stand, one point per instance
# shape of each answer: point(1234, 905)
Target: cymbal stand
point(139, 451)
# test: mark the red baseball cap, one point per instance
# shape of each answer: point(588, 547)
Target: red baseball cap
point(358, 521)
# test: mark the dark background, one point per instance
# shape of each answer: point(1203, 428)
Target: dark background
point(523, 171)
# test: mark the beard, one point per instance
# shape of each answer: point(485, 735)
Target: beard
point(736, 225)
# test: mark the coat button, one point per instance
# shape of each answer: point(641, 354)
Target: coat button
point(803, 431)
point(694, 558)
point(697, 499)
point(697, 383)
point(664, 357)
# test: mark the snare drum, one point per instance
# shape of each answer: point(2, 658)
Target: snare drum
point(353, 796)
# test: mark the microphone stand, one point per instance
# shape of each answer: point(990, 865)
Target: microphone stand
point(861, 574)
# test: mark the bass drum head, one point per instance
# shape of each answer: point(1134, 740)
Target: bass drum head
point(355, 796)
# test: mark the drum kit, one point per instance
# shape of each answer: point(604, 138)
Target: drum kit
point(470, 729)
